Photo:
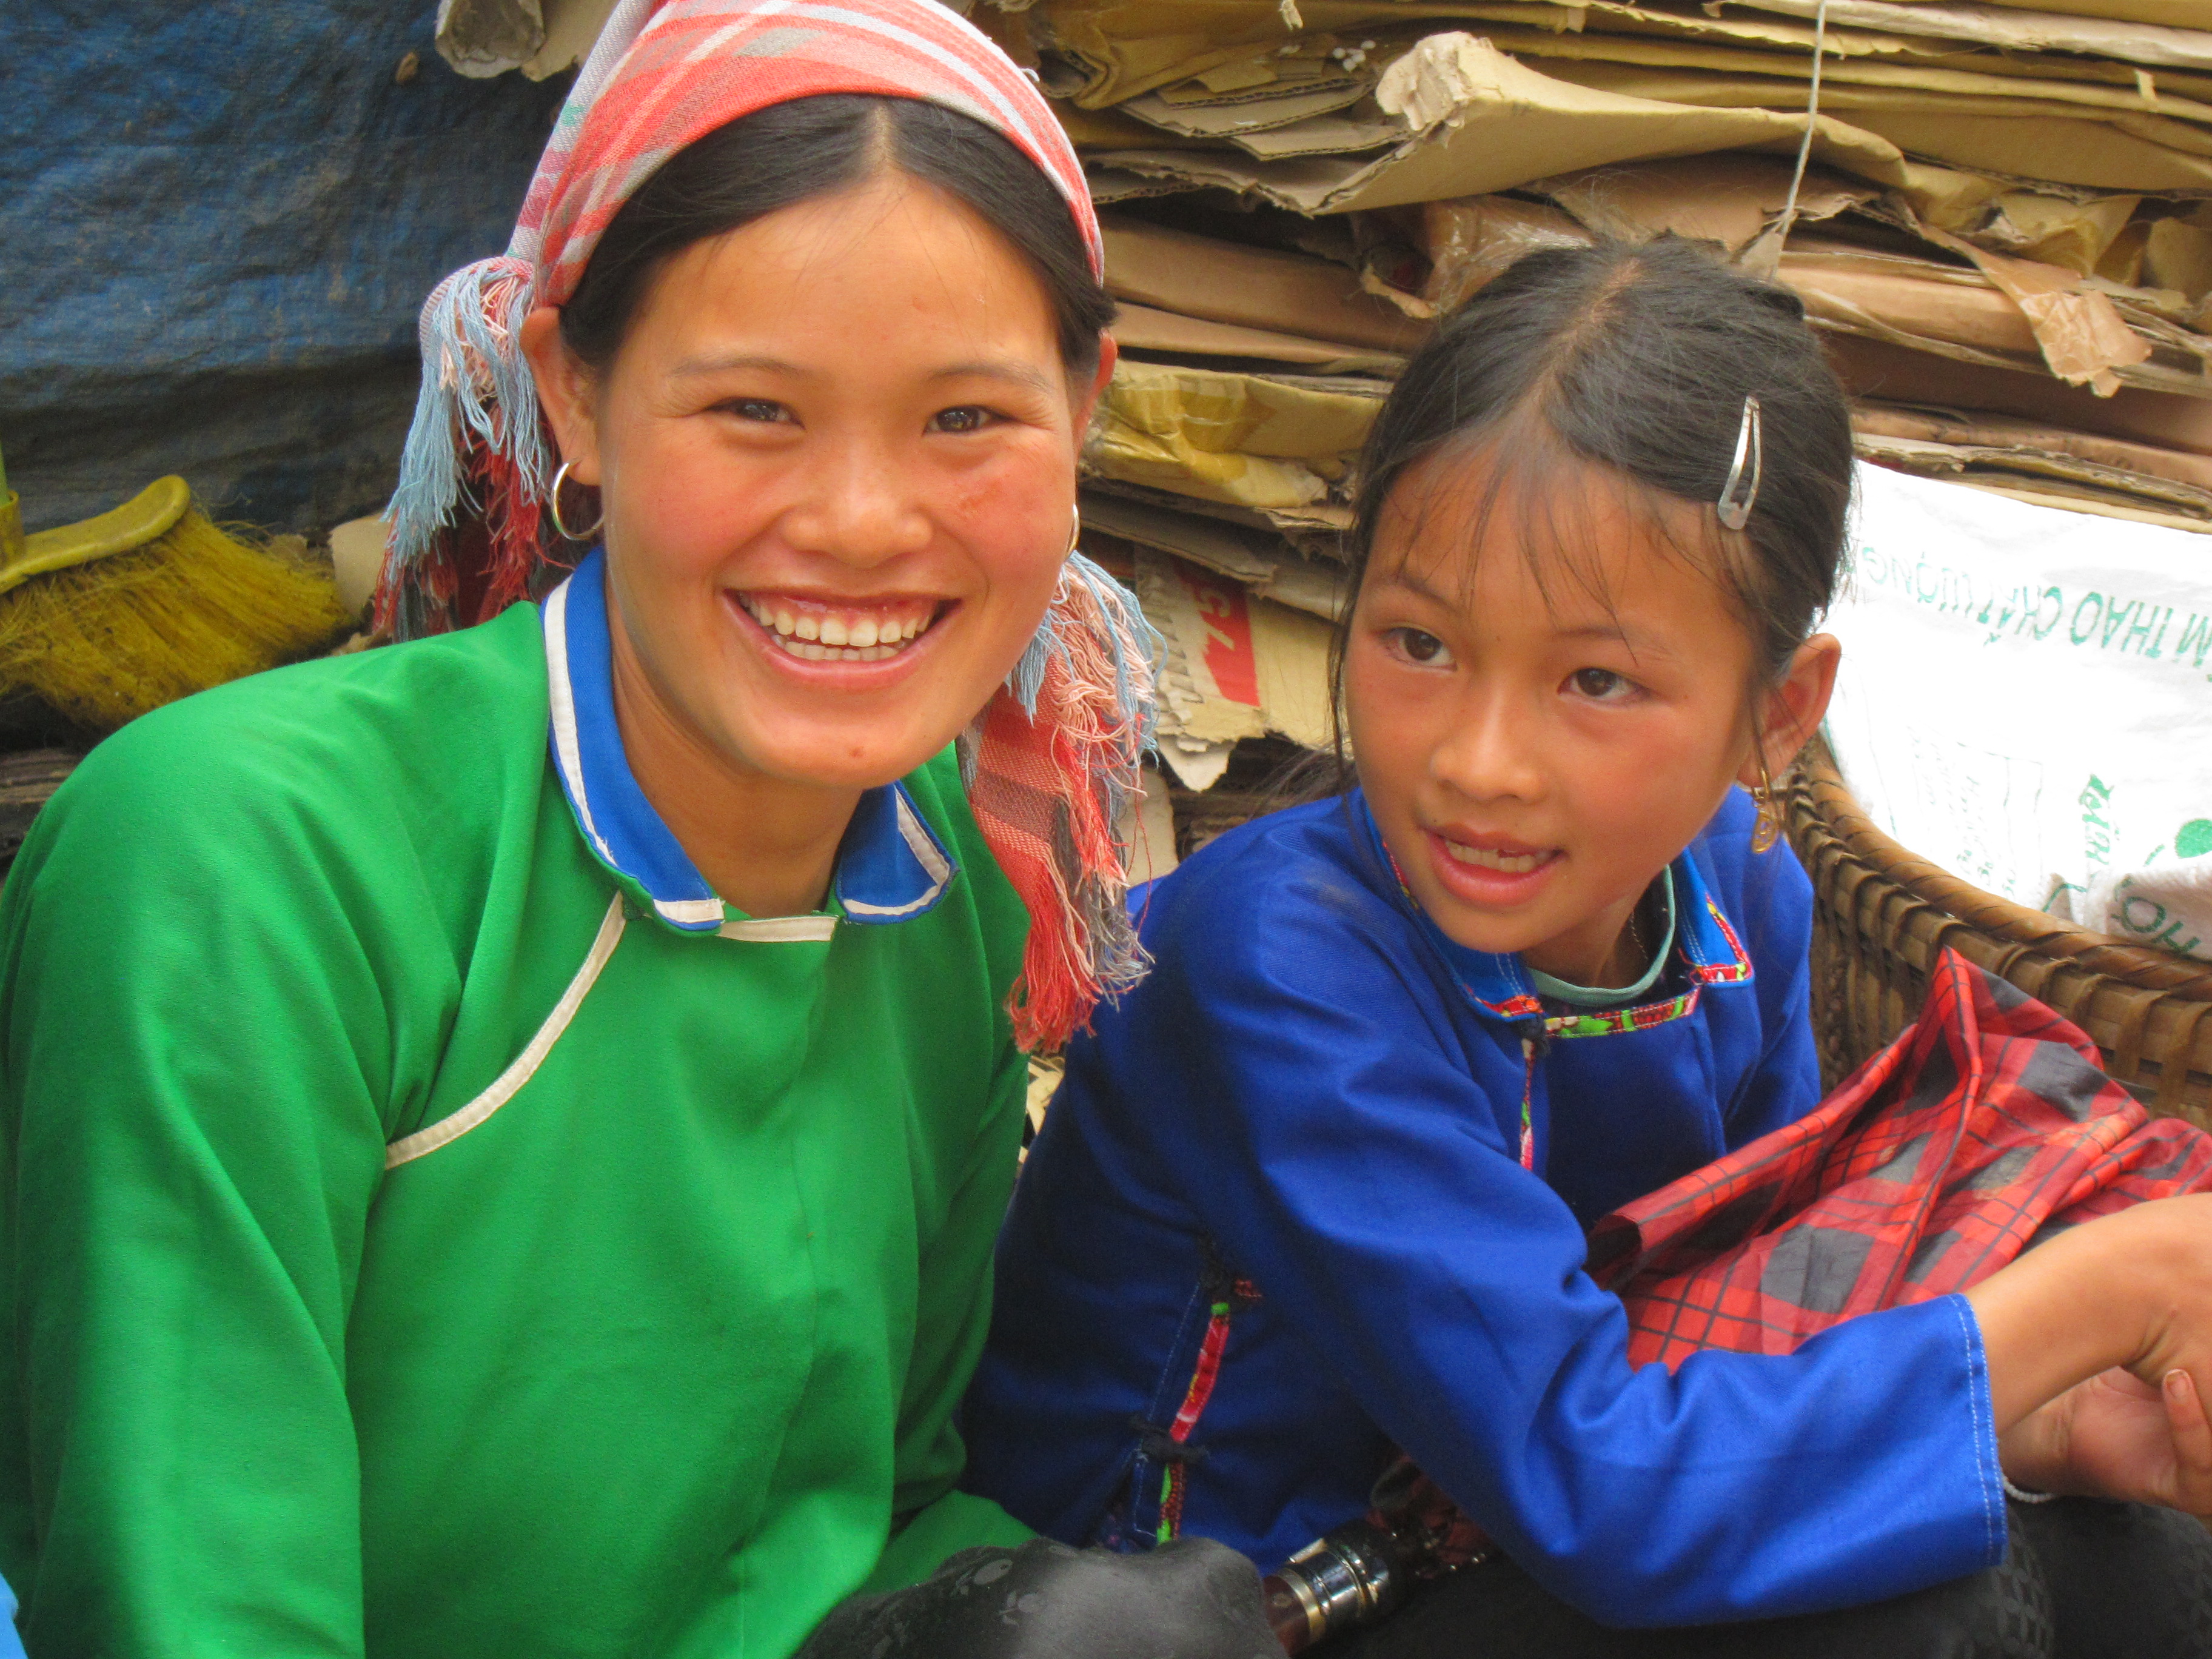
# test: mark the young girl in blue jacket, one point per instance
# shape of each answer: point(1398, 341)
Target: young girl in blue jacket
point(1316, 1192)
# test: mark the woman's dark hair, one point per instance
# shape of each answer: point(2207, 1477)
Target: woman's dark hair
point(791, 153)
point(1637, 358)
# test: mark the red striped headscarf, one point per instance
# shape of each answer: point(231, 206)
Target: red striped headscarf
point(1053, 761)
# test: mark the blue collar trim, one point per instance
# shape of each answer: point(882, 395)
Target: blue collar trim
point(891, 865)
point(1704, 941)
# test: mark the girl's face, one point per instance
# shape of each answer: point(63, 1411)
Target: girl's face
point(836, 451)
point(1535, 758)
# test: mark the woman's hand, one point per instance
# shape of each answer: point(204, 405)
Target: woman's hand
point(2119, 1437)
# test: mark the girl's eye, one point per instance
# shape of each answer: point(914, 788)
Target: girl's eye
point(1600, 685)
point(968, 417)
point(1421, 647)
point(757, 409)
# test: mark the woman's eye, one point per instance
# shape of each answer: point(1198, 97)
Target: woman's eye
point(757, 409)
point(1600, 685)
point(968, 417)
point(1421, 647)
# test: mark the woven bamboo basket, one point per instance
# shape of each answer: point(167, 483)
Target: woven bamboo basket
point(1881, 916)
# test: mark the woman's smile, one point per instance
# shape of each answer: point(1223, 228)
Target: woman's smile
point(800, 629)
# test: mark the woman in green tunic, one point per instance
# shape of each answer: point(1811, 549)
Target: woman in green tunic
point(505, 1133)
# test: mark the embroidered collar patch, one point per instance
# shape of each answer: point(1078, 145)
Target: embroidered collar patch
point(890, 866)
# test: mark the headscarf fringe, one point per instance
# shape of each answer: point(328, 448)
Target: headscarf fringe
point(1053, 766)
point(477, 446)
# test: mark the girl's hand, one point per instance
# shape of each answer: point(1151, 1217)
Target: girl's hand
point(2119, 1437)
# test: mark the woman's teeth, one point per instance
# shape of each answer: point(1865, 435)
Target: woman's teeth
point(820, 637)
point(1512, 864)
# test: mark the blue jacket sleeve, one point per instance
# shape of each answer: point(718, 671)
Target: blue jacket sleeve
point(1312, 1099)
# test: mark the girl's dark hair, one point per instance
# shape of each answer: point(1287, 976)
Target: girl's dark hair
point(1637, 357)
point(791, 153)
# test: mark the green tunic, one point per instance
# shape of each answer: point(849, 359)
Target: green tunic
point(430, 1229)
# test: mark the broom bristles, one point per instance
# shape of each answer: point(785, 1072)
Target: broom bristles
point(106, 642)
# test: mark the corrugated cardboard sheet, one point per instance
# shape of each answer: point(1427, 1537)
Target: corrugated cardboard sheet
point(2005, 233)
point(1237, 665)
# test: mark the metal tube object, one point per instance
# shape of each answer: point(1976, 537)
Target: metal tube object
point(1348, 1578)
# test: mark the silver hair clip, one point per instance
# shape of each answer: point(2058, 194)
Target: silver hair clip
point(1741, 493)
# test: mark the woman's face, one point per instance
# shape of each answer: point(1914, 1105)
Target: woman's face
point(836, 451)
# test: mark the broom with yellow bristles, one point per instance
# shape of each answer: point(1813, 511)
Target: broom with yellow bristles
point(105, 619)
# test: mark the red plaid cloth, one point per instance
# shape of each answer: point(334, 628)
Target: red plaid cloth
point(1941, 1160)
point(1986, 1126)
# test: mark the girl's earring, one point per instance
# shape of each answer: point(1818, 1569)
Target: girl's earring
point(1075, 534)
point(553, 508)
point(1767, 828)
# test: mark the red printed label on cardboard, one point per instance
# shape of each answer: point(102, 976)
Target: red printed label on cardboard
point(1229, 657)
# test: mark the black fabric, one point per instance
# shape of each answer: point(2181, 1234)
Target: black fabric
point(2082, 1580)
point(2127, 1581)
point(1191, 1599)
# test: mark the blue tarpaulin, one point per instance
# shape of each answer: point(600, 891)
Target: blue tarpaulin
point(217, 222)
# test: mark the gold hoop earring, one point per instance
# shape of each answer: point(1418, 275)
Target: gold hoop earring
point(1767, 828)
point(553, 509)
point(1074, 535)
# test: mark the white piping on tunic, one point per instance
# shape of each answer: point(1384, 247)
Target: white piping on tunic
point(780, 930)
point(561, 700)
point(690, 911)
point(509, 1082)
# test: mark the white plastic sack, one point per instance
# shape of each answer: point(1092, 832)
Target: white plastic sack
point(2170, 903)
point(2026, 697)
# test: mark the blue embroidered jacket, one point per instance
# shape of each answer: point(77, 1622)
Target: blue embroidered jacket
point(1277, 1222)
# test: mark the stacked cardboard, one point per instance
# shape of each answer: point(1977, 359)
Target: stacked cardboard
point(2003, 224)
